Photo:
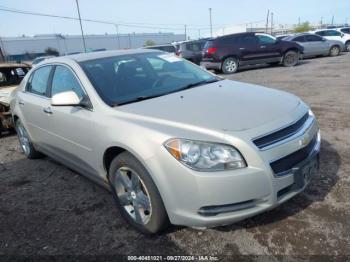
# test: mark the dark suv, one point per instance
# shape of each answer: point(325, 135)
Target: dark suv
point(192, 50)
point(228, 52)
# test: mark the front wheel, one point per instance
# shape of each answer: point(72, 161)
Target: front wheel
point(25, 143)
point(136, 195)
point(334, 51)
point(291, 58)
point(230, 65)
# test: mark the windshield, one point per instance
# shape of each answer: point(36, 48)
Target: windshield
point(131, 78)
point(12, 75)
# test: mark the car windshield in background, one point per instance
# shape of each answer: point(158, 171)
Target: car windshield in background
point(12, 75)
point(131, 78)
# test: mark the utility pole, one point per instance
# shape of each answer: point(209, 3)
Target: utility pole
point(267, 20)
point(81, 26)
point(271, 23)
point(321, 22)
point(299, 20)
point(199, 34)
point(211, 23)
point(332, 19)
point(186, 32)
point(117, 31)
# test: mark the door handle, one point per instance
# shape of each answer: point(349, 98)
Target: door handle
point(48, 110)
point(241, 48)
point(263, 46)
point(20, 102)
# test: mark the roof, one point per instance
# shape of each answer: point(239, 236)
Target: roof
point(2, 65)
point(100, 54)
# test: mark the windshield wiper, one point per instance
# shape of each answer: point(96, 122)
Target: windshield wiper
point(191, 85)
point(142, 98)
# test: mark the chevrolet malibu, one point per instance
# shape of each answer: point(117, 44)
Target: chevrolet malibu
point(174, 143)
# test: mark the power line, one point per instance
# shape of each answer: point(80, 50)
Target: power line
point(134, 25)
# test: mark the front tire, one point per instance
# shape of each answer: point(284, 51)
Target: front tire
point(334, 51)
point(25, 143)
point(291, 58)
point(136, 195)
point(230, 65)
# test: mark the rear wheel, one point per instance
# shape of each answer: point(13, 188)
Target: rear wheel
point(230, 65)
point(347, 46)
point(291, 58)
point(25, 143)
point(334, 51)
point(136, 195)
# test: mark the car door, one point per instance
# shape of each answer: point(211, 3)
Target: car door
point(247, 47)
point(302, 41)
point(268, 50)
point(317, 45)
point(33, 101)
point(72, 128)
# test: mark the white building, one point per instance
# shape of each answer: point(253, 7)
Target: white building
point(18, 48)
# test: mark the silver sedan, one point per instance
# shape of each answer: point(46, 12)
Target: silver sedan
point(173, 142)
point(315, 45)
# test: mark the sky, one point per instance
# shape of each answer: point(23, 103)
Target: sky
point(163, 15)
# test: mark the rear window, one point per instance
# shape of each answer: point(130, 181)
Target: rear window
point(12, 75)
point(208, 44)
point(345, 30)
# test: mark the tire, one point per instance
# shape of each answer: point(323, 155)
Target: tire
point(230, 65)
point(25, 143)
point(334, 50)
point(347, 46)
point(131, 186)
point(290, 58)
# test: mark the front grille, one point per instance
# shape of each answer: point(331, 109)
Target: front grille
point(281, 134)
point(288, 162)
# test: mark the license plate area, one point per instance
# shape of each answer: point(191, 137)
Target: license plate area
point(304, 173)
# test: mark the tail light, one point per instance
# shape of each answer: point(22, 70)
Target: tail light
point(212, 50)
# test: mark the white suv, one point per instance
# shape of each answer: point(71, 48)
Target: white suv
point(334, 34)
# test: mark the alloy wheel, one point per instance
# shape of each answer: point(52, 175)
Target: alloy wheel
point(23, 138)
point(290, 59)
point(334, 51)
point(133, 195)
point(231, 66)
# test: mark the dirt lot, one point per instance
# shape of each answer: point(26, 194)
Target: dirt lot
point(46, 208)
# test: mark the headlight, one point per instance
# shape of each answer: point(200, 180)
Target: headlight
point(311, 113)
point(205, 156)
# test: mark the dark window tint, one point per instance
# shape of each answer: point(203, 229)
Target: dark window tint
point(169, 49)
point(247, 39)
point(228, 40)
point(195, 47)
point(64, 80)
point(313, 38)
point(321, 33)
point(208, 44)
point(12, 75)
point(299, 39)
point(38, 81)
point(264, 39)
point(332, 33)
point(345, 30)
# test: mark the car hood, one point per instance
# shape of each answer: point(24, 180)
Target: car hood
point(6, 93)
point(221, 106)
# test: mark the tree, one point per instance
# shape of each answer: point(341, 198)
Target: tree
point(149, 43)
point(52, 51)
point(304, 27)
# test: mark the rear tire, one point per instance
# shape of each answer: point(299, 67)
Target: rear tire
point(347, 46)
point(334, 50)
point(136, 195)
point(25, 143)
point(230, 65)
point(290, 58)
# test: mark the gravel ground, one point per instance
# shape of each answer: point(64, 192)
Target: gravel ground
point(47, 209)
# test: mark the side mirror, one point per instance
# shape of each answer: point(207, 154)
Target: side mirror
point(342, 34)
point(68, 98)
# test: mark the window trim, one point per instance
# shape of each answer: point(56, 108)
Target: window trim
point(90, 107)
point(30, 78)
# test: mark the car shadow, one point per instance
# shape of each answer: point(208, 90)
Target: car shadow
point(316, 191)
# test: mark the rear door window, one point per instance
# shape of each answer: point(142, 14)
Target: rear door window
point(300, 39)
point(345, 30)
point(38, 82)
point(264, 39)
point(313, 38)
point(332, 33)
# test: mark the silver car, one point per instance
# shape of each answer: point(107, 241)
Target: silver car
point(315, 45)
point(173, 142)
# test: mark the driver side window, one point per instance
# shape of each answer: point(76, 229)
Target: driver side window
point(64, 80)
point(264, 39)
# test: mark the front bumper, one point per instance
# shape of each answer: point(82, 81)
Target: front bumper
point(207, 199)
